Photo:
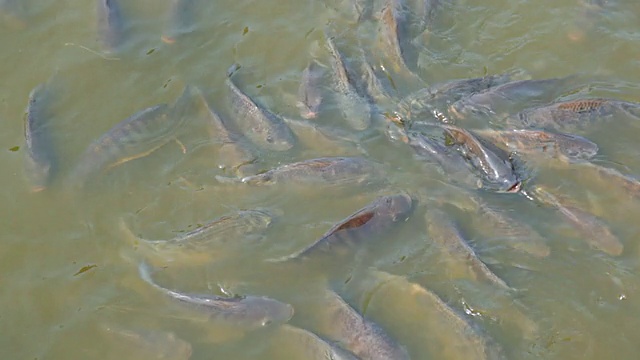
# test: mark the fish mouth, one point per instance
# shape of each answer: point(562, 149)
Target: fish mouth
point(515, 188)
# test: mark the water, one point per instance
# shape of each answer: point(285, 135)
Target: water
point(583, 302)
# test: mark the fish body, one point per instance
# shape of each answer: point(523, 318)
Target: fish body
point(551, 144)
point(151, 344)
point(111, 26)
point(314, 347)
point(420, 105)
point(181, 20)
point(309, 92)
point(447, 333)
point(361, 336)
point(263, 127)
point(498, 172)
point(330, 170)
point(244, 311)
point(40, 161)
point(372, 220)
point(568, 115)
point(451, 162)
point(511, 97)
point(446, 234)
point(594, 230)
point(355, 109)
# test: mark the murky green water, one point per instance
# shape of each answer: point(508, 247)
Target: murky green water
point(577, 303)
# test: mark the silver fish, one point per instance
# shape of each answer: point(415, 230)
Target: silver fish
point(309, 92)
point(594, 230)
point(111, 26)
point(263, 127)
point(181, 20)
point(330, 170)
point(40, 160)
point(446, 234)
point(356, 110)
point(498, 172)
point(366, 223)
point(244, 311)
point(363, 337)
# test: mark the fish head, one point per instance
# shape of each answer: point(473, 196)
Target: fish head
point(279, 139)
point(259, 311)
point(396, 207)
point(259, 219)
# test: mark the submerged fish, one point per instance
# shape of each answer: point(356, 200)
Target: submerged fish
point(371, 221)
point(223, 229)
point(40, 160)
point(111, 26)
point(354, 107)
point(446, 234)
point(244, 311)
point(594, 230)
point(263, 127)
point(309, 92)
point(615, 178)
point(568, 115)
point(330, 170)
point(363, 337)
point(314, 347)
point(421, 105)
point(544, 142)
point(151, 344)
point(513, 96)
point(181, 20)
point(498, 172)
point(133, 138)
point(392, 26)
point(446, 333)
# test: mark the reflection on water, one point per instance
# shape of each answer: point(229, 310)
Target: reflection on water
point(70, 266)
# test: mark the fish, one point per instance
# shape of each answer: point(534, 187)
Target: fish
point(314, 347)
point(421, 105)
point(226, 228)
point(40, 159)
point(502, 100)
point(446, 234)
point(614, 178)
point(263, 127)
point(592, 228)
point(568, 115)
point(427, 12)
point(498, 225)
point(550, 144)
point(150, 344)
point(111, 25)
point(392, 26)
point(498, 172)
point(251, 312)
point(234, 152)
point(452, 163)
point(363, 9)
point(354, 107)
point(363, 337)
point(181, 20)
point(134, 137)
point(309, 92)
point(371, 221)
point(445, 332)
point(329, 170)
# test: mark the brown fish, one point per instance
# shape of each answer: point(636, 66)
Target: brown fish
point(594, 230)
point(363, 337)
point(550, 144)
point(370, 221)
point(568, 115)
point(497, 171)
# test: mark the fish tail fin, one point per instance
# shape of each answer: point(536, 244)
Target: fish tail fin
point(227, 180)
point(145, 271)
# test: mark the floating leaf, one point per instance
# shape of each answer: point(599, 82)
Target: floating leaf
point(245, 31)
point(85, 269)
point(151, 51)
point(15, 148)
